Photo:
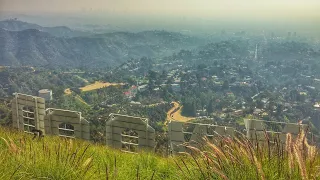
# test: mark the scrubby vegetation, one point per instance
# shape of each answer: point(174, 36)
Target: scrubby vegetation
point(240, 158)
point(220, 79)
point(56, 158)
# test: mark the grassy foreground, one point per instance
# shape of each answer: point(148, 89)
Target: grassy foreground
point(56, 158)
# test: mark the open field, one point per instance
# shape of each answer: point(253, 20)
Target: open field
point(91, 87)
point(94, 86)
point(98, 85)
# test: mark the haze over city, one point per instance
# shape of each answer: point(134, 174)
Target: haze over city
point(204, 15)
point(160, 89)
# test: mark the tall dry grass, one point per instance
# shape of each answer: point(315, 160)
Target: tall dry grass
point(222, 158)
point(240, 158)
point(58, 158)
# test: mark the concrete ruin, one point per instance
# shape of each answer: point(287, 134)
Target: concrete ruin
point(257, 129)
point(193, 133)
point(66, 123)
point(128, 133)
point(29, 113)
point(131, 134)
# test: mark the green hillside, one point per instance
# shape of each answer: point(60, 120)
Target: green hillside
point(56, 158)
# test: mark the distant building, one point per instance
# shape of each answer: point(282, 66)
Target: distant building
point(46, 94)
point(128, 94)
point(238, 112)
point(142, 87)
point(201, 112)
point(156, 89)
point(257, 111)
point(135, 103)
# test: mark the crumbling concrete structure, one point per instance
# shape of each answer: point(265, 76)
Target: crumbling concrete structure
point(133, 133)
point(66, 123)
point(193, 134)
point(28, 112)
point(257, 129)
point(129, 133)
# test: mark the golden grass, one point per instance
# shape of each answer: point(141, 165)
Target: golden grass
point(240, 158)
point(219, 158)
point(94, 86)
point(59, 158)
point(98, 85)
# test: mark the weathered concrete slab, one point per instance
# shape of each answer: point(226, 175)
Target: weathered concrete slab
point(119, 127)
point(259, 129)
point(66, 123)
point(28, 112)
point(195, 132)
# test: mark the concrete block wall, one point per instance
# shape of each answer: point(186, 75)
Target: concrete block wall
point(32, 103)
point(49, 120)
point(177, 136)
point(256, 129)
point(27, 107)
point(55, 117)
point(118, 123)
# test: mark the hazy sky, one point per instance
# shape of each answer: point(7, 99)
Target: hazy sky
point(199, 15)
point(197, 8)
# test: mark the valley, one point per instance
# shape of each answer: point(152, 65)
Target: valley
point(160, 90)
point(169, 90)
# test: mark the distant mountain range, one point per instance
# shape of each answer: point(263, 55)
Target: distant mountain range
point(59, 31)
point(38, 46)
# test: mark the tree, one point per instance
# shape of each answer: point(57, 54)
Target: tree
point(193, 111)
point(280, 108)
point(152, 75)
point(225, 85)
point(189, 108)
point(210, 107)
point(259, 104)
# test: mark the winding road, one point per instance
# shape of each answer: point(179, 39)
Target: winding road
point(175, 114)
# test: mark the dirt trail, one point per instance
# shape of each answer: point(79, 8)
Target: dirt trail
point(175, 114)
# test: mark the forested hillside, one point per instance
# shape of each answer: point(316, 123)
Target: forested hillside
point(33, 47)
point(59, 31)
